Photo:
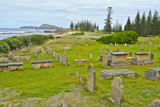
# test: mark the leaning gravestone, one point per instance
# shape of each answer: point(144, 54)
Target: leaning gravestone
point(151, 75)
point(105, 60)
point(91, 78)
point(117, 90)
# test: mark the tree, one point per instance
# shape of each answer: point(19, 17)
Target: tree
point(143, 25)
point(128, 26)
point(71, 25)
point(155, 23)
point(149, 24)
point(138, 23)
point(108, 21)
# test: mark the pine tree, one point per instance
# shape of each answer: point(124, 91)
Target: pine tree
point(138, 23)
point(149, 24)
point(128, 26)
point(108, 22)
point(143, 25)
point(155, 23)
point(71, 25)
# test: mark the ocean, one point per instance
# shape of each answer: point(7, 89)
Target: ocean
point(9, 32)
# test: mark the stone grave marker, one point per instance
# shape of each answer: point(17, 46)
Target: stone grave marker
point(90, 55)
point(151, 75)
point(77, 76)
point(130, 54)
point(65, 101)
point(79, 62)
point(101, 58)
point(91, 78)
point(155, 103)
point(149, 50)
point(117, 90)
point(105, 60)
point(10, 56)
point(152, 56)
point(82, 80)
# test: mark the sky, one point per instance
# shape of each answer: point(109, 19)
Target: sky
point(17, 13)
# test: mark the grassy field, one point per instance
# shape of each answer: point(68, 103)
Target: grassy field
point(45, 83)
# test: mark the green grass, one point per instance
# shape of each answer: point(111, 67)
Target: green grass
point(47, 82)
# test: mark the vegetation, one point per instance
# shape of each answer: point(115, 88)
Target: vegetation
point(84, 25)
point(47, 82)
point(17, 42)
point(108, 21)
point(144, 26)
point(120, 37)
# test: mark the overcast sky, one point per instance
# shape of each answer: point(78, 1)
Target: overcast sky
point(16, 13)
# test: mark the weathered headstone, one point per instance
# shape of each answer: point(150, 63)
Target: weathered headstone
point(130, 54)
point(79, 62)
point(77, 76)
point(10, 56)
point(155, 103)
point(90, 55)
point(151, 75)
point(82, 80)
point(105, 60)
point(117, 90)
point(65, 101)
point(152, 56)
point(149, 50)
point(91, 78)
point(101, 58)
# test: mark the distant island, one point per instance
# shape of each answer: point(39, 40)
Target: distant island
point(43, 26)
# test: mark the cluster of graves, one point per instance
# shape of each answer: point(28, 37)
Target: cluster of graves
point(115, 59)
point(62, 59)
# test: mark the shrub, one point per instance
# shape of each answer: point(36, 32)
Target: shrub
point(4, 47)
point(38, 39)
point(120, 37)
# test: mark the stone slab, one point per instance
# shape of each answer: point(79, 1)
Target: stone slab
point(41, 61)
point(155, 69)
point(141, 53)
point(119, 53)
point(151, 75)
point(116, 72)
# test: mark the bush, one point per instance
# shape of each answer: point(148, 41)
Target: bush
point(38, 39)
point(78, 34)
point(4, 47)
point(50, 37)
point(120, 37)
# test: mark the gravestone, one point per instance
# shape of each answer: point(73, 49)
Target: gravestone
point(10, 56)
point(155, 69)
point(149, 50)
point(155, 103)
point(59, 57)
point(77, 76)
point(117, 90)
point(91, 56)
point(91, 78)
point(105, 60)
point(117, 50)
point(151, 75)
point(152, 56)
point(158, 48)
point(65, 101)
point(79, 62)
point(82, 80)
point(130, 54)
point(100, 58)
point(64, 59)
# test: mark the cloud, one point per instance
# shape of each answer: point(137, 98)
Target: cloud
point(15, 13)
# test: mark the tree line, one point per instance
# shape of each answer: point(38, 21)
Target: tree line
point(144, 25)
point(84, 25)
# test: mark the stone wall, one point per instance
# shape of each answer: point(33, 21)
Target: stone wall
point(141, 57)
point(119, 58)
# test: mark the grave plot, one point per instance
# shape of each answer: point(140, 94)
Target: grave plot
point(119, 59)
point(11, 67)
point(41, 64)
point(155, 69)
point(141, 58)
point(116, 72)
point(25, 56)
